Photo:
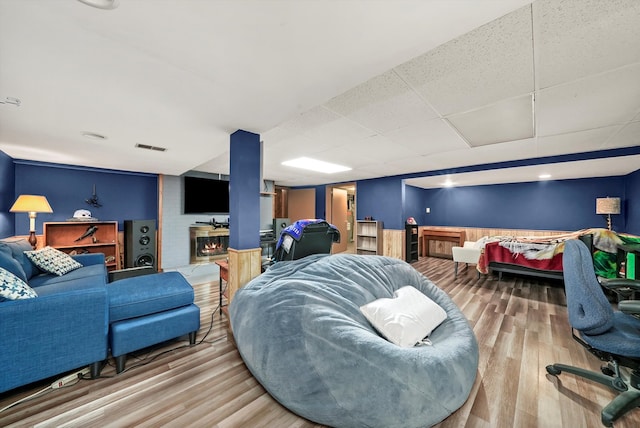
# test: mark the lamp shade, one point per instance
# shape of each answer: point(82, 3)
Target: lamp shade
point(31, 203)
point(607, 205)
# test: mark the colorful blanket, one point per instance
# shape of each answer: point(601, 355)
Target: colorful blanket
point(545, 252)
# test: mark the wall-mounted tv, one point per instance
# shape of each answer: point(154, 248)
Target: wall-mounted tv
point(205, 196)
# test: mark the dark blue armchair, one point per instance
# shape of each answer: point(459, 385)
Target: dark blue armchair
point(611, 335)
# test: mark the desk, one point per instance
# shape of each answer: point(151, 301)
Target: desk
point(456, 236)
point(224, 276)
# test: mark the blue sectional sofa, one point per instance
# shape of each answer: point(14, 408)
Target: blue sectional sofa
point(62, 329)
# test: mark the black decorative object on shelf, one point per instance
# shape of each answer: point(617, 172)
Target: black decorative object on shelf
point(90, 231)
point(93, 200)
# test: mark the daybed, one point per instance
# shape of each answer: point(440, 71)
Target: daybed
point(542, 256)
point(63, 328)
point(300, 331)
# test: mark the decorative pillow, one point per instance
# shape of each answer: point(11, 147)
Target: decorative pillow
point(7, 262)
point(13, 288)
point(405, 319)
point(53, 261)
point(17, 248)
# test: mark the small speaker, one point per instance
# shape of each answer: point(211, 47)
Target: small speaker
point(140, 243)
point(279, 224)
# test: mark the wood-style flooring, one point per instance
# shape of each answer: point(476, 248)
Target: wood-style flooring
point(521, 326)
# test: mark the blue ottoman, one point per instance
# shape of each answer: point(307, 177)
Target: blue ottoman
point(146, 310)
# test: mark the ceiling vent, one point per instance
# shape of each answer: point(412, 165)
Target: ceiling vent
point(148, 147)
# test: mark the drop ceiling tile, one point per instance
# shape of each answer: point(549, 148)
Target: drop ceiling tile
point(426, 137)
point(503, 152)
point(578, 38)
point(576, 142)
point(490, 63)
point(337, 132)
point(597, 101)
point(383, 103)
point(310, 119)
point(507, 120)
point(628, 136)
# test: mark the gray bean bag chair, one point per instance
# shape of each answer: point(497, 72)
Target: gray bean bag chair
point(301, 333)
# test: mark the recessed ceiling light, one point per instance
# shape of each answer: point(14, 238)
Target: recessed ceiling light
point(448, 183)
point(101, 4)
point(316, 165)
point(94, 136)
point(544, 176)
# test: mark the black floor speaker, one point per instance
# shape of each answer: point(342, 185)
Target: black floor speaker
point(140, 243)
point(278, 225)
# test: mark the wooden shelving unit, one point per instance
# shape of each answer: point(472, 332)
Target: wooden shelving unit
point(369, 237)
point(65, 235)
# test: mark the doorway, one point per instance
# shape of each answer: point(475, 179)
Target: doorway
point(341, 212)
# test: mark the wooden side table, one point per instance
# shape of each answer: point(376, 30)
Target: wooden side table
point(224, 276)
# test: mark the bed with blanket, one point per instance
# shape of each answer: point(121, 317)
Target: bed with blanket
point(542, 256)
point(300, 329)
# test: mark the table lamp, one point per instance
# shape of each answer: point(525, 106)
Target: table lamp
point(608, 206)
point(31, 204)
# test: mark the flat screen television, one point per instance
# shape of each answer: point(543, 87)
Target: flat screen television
point(205, 196)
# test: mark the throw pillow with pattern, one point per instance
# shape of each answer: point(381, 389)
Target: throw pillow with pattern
point(13, 288)
point(53, 261)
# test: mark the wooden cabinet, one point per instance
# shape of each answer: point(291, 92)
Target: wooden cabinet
point(66, 236)
point(411, 240)
point(438, 242)
point(369, 237)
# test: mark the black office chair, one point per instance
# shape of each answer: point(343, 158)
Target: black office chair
point(306, 237)
point(612, 336)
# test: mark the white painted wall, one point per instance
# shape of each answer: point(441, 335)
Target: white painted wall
point(175, 225)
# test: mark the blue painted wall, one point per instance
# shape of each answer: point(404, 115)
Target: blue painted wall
point(414, 204)
point(551, 205)
point(631, 206)
point(123, 195)
point(381, 199)
point(7, 195)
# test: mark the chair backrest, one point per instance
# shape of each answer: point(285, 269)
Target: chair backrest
point(589, 310)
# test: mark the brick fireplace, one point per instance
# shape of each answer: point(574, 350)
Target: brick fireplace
point(208, 243)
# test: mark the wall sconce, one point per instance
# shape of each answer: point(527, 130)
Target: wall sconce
point(31, 204)
point(608, 206)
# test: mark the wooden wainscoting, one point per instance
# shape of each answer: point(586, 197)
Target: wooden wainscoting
point(393, 243)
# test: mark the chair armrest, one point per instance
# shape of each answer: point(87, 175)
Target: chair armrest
point(465, 255)
point(615, 284)
point(631, 307)
point(623, 287)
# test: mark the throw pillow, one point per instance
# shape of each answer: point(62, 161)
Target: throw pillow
point(53, 261)
point(18, 247)
point(13, 288)
point(9, 263)
point(405, 319)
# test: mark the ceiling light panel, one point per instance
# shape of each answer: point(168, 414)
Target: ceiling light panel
point(315, 165)
point(509, 120)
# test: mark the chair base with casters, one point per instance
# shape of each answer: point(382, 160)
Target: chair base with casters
point(611, 335)
point(610, 376)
